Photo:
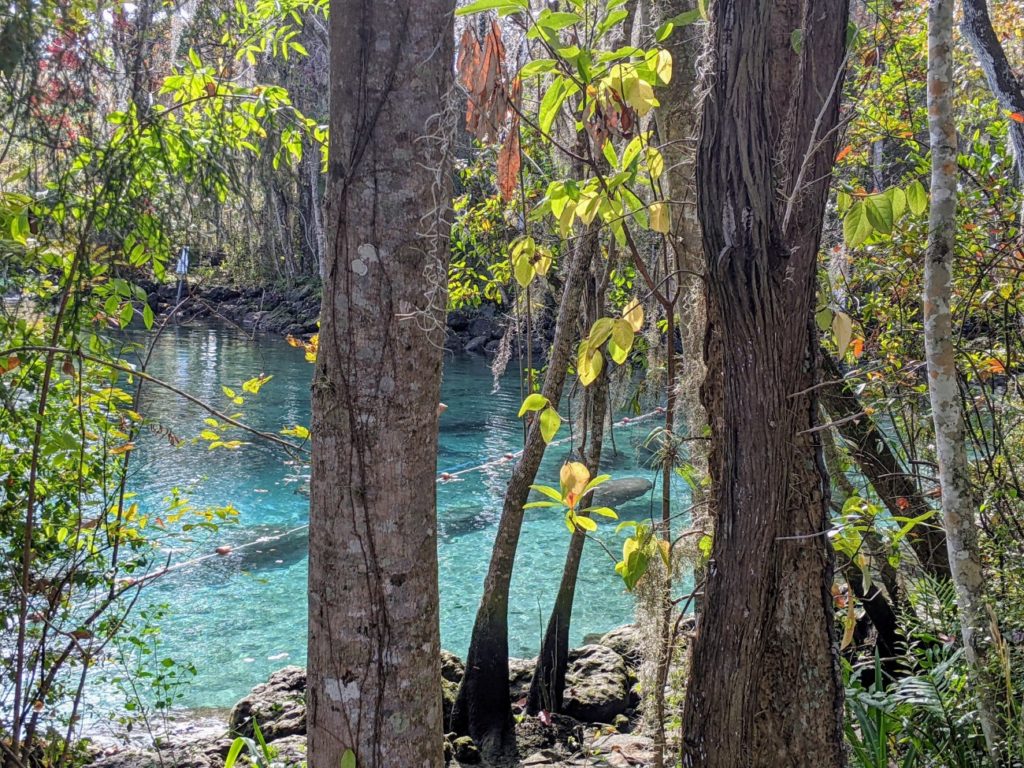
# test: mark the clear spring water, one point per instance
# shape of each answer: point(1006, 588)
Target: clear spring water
point(239, 617)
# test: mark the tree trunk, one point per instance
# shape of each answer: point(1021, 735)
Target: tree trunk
point(958, 505)
point(482, 708)
point(880, 465)
point(547, 688)
point(374, 644)
point(764, 686)
point(1005, 85)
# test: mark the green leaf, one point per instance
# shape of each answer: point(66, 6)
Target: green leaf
point(236, 748)
point(917, 198)
point(524, 271)
point(600, 332)
point(856, 226)
point(879, 212)
point(533, 402)
point(348, 760)
point(503, 7)
point(584, 522)
point(298, 431)
point(823, 317)
point(542, 504)
point(550, 421)
point(547, 490)
point(557, 20)
point(603, 511)
point(126, 314)
point(538, 67)
point(147, 316)
point(555, 95)
point(899, 202)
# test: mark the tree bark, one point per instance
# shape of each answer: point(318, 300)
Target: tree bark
point(764, 685)
point(1005, 85)
point(958, 504)
point(482, 708)
point(374, 644)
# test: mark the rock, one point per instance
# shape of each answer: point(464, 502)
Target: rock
point(625, 641)
point(465, 751)
point(621, 490)
point(596, 685)
point(279, 706)
point(486, 327)
point(550, 735)
point(452, 668)
point(289, 751)
point(476, 345)
point(520, 672)
point(449, 692)
point(630, 749)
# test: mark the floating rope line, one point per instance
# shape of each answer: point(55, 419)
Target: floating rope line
point(625, 421)
point(444, 477)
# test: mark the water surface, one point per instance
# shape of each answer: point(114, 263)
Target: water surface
point(239, 617)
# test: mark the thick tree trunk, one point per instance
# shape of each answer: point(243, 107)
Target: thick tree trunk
point(374, 645)
point(1005, 85)
point(958, 504)
point(764, 686)
point(483, 708)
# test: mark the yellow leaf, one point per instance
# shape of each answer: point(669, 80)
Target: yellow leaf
point(655, 163)
point(842, 328)
point(574, 477)
point(663, 67)
point(660, 220)
point(634, 313)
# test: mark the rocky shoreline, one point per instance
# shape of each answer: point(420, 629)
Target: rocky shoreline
point(295, 311)
point(596, 729)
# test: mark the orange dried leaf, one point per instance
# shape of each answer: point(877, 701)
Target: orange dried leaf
point(844, 152)
point(857, 345)
point(1017, 117)
point(12, 362)
point(509, 161)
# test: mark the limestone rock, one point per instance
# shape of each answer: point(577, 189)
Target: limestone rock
point(279, 706)
point(596, 685)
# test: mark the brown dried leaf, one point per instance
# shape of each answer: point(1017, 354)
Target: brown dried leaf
point(509, 161)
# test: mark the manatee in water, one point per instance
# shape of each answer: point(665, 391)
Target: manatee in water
point(278, 551)
point(620, 490)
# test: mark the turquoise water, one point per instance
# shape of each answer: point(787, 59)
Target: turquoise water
point(239, 617)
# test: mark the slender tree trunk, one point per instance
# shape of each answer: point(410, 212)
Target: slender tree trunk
point(870, 449)
point(547, 688)
point(1006, 86)
point(764, 685)
point(958, 504)
point(483, 708)
point(374, 644)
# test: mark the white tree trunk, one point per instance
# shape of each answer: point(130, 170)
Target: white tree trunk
point(958, 505)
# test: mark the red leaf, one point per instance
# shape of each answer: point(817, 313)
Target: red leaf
point(1017, 117)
